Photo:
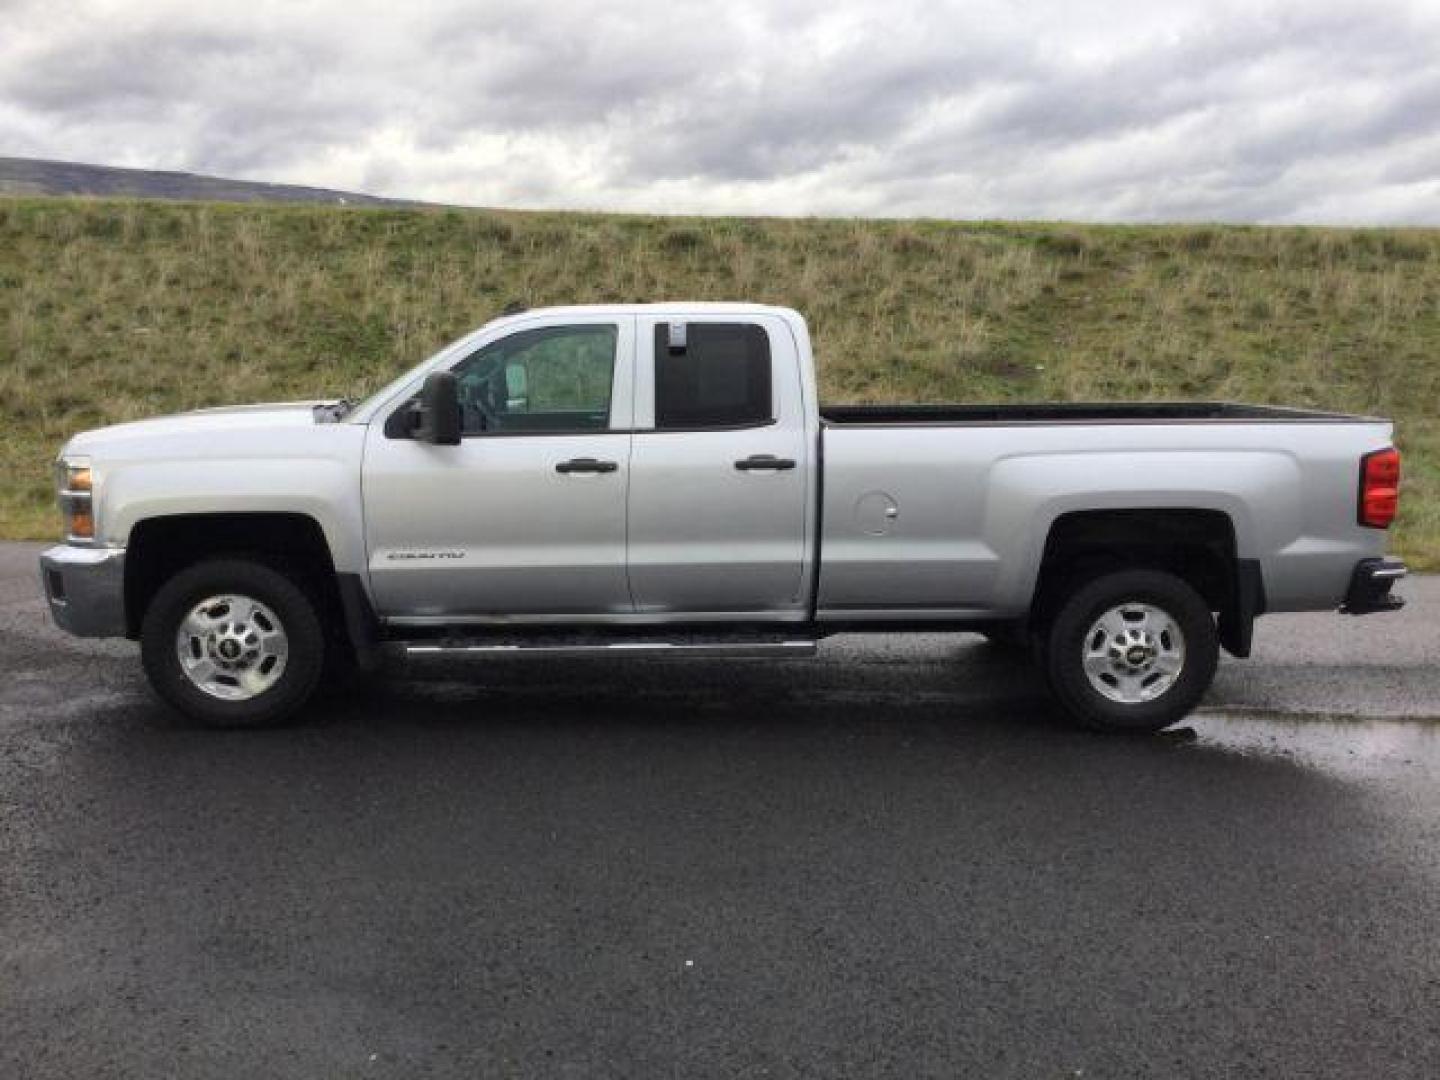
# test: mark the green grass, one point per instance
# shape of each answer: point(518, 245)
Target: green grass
point(111, 310)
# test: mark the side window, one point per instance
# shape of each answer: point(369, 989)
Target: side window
point(719, 378)
point(554, 379)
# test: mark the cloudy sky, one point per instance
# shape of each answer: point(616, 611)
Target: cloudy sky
point(1312, 111)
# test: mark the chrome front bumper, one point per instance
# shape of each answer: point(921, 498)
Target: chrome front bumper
point(86, 589)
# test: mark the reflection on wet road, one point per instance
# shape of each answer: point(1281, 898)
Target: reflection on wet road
point(1353, 748)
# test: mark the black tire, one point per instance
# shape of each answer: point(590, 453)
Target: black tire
point(1065, 647)
point(298, 615)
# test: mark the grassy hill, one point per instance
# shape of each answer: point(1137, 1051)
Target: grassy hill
point(111, 310)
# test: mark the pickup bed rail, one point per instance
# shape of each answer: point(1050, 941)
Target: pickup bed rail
point(1106, 412)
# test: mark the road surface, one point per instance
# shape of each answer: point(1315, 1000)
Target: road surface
point(892, 861)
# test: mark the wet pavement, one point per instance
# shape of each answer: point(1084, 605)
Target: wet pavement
point(895, 860)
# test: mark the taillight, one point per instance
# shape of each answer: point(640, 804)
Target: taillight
point(1379, 487)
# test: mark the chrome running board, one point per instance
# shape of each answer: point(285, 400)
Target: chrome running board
point(715, 647)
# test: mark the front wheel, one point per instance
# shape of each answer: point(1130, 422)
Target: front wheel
point(233, 643)
point(1132, 651)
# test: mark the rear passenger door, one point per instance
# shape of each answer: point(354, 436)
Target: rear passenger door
point(720, 469)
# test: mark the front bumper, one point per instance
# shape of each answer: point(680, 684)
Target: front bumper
point(1370, 586)
point(86, 589)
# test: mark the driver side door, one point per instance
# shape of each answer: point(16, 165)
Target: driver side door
point(525, 518)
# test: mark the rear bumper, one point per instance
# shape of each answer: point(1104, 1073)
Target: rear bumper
point(85, 588)
point(1370, 587)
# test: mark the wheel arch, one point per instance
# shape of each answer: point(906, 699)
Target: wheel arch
point(1197, 545)
point(159, 547)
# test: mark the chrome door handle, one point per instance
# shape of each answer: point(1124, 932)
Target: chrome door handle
point(586, 465)
point(764, 461)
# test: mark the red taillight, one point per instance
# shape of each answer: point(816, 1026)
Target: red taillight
point(1379, 487)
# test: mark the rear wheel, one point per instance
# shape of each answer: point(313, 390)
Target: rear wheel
point(1132, 651)
point(233, 643)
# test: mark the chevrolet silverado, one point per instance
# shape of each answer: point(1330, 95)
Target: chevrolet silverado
point(663, 480)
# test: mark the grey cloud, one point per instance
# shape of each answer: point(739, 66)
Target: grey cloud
point(802, 115)
point(1266, 111)
point(1198, 97)
point(111, 74)
point(237, 100)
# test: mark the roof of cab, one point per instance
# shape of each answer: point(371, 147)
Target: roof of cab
point(665, 307)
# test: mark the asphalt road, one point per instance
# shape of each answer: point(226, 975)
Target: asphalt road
point(893, 861)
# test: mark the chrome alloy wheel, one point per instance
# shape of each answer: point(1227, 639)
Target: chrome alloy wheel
point(232, 647)
point(1134, 653)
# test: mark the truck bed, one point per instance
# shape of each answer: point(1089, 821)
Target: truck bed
point(1128, 412)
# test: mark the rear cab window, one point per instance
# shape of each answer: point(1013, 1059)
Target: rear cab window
point(712, 375)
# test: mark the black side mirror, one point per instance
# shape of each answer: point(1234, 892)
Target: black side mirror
point(439, 410)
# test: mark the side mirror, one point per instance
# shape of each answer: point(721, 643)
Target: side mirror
point(439, 419)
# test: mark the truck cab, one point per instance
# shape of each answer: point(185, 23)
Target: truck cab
point(628, 467)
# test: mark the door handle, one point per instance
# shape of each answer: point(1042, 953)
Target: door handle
point(765, 461)
point(586, 465)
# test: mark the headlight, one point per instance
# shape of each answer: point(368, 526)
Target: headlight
point(77, 494)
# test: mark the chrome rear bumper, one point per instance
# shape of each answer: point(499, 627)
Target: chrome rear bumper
point(85, 587)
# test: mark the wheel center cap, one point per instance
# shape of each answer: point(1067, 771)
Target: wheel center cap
point(229, 648)
point(1137, 655)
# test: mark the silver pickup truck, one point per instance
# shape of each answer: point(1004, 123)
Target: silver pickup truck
point(662, 479)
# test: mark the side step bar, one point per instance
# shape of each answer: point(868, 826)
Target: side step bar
point(715, 647)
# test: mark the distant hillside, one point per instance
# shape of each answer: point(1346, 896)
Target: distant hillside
point(30, 176)
point(111, 310)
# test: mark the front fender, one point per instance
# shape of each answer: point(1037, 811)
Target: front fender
point(324, 489)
